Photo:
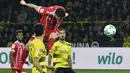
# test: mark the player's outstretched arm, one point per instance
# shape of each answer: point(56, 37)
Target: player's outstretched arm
point(36, 7)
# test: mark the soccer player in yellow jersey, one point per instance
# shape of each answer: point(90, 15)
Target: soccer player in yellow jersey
point(37, 51)
point(61, 54)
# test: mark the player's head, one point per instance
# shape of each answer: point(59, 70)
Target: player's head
point(38, 29)
point(62, 34)
point(19, 35)
point(60, 13)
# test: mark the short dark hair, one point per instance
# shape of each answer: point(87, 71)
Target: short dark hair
point(38, 29)
point(60, 12)
point(62, 29)
point(19, 31)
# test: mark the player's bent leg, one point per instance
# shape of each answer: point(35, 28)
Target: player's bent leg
point(51, 40)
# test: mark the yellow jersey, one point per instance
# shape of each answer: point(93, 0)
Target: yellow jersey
point(37, 49)
point(60, 53)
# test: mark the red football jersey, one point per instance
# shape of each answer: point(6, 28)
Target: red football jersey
point(48, 19)
point(17, 48)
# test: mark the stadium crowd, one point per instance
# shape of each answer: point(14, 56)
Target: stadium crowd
point(85, 10)
point(76, 32)
point(95, 13)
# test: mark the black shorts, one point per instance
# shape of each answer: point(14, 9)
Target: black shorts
point(64, 70)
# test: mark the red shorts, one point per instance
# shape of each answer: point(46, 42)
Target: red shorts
point(14, 71)
point(46, 34)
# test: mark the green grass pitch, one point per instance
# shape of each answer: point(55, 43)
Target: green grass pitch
point(77, 71)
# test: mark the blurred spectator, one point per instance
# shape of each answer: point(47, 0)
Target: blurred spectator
point(22, 16)
point(126, 44)
point(76, 32)
point(78, 10)
point(9, 44)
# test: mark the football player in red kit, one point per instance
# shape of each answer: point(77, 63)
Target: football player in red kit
point(16, 53)
point(51, 19)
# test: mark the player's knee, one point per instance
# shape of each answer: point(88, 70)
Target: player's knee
point(53, 35)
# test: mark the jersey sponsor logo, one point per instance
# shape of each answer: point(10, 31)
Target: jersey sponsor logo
point(64, 51)
point(61, 50)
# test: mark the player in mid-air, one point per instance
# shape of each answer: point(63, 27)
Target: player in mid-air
point(16, 53)
point(51, 19)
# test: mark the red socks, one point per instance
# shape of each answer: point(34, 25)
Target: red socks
point(50, 43)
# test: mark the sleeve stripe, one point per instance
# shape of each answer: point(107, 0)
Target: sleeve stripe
point(33, 36)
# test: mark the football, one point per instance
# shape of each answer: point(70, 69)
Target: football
point(109, 30)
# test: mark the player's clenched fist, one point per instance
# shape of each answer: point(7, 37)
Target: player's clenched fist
point(22, 2)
